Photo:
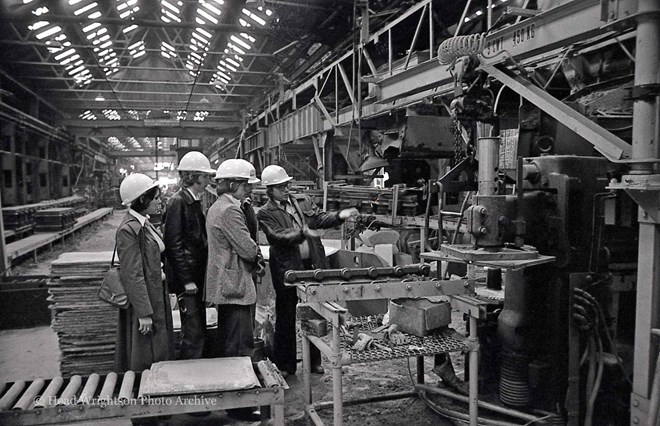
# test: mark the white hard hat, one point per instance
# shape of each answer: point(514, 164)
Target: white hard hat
point(253, 174)
point(274, 175)
point(133, 186)
point(195, 161)
point(237, 168)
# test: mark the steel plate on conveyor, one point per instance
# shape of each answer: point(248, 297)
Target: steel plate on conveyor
point(200, 376)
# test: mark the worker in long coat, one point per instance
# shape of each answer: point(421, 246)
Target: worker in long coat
point(145, 333)
point(290, 222)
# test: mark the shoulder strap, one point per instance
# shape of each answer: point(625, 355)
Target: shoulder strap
point(114, 252)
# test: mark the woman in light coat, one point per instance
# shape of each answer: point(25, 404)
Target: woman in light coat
point(145, 333)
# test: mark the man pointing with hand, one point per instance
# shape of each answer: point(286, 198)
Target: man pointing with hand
point(290, 222)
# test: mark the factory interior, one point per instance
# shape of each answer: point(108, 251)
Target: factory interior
point(502, 158)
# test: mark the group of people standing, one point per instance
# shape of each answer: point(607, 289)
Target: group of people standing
point(213, 259)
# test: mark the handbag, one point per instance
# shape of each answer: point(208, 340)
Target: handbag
point(112, 290)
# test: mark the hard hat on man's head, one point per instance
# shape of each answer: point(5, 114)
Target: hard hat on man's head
point(274, 175)
point(236, 168)
point(195, 161)
point(133, 186)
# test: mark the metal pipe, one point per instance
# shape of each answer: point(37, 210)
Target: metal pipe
point(70, 391)
point(48, 396)
point(28, 397)
point(646, 144)
point(307, 371)
point(474, 373)
point(487, 405)
point(11, 395)
point(460, 22)
point(368, 400)
point(90, 388)
point(336, 378)
point(108, 387)
point(126, 389)
point(143, 382)
point(644, 137)
point(488, 153)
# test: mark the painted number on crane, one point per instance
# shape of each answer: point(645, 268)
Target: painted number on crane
point(494, 46)
point(523, 34)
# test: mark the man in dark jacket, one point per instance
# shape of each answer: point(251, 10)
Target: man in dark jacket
point(186, 251)
point(289, 222)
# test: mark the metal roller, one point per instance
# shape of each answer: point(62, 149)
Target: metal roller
point(143, 381)
point(30, 394)
point(269, 378)
point(346, 274)
point(10, 397)
point(126, 389)
point(108, 387)
point(70, 391)
point(48, 396)
point(290, 276)
point(89, 390)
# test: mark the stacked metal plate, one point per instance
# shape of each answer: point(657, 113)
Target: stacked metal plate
point(85, 325)
point(55, 219)
point(18, 218)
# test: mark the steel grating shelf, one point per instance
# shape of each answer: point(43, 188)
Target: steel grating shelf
point(447, 340)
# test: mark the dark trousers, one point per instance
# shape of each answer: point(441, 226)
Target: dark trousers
point(285, 332)
point(193, 326)
point(235, 330)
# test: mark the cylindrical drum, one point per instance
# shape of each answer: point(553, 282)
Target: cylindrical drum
point(488, 154)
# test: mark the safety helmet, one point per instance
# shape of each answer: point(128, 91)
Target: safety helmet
point(253, 174)
point(236, 168)
point(195, 161)
point(274, 175)
point(133, 186)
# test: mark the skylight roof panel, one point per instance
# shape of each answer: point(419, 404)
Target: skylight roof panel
point(85, 8)
point(170, 6)
point(233, 62)
point(199, 37)
point(207, 16)
point(95, 15)
point(235, 48)
point(71, 59)
point(49, 32)
point(90, 27)
point(210, 7)
point(248, 37)
point(37, 25)
point(256, 18)
point(242, 43)
point(204, 32)
point(129, 28)
point(76, 70)
point(40, 11)
point(65, 54)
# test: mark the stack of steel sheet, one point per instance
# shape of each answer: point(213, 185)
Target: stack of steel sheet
point(85, 325)
point(18, 218)
point(55, 219)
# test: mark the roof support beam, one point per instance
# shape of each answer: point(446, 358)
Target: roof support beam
point(218, 28)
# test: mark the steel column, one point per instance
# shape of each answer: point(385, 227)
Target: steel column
point(645, 145)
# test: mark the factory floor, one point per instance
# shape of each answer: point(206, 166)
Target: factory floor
point(32, 353)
